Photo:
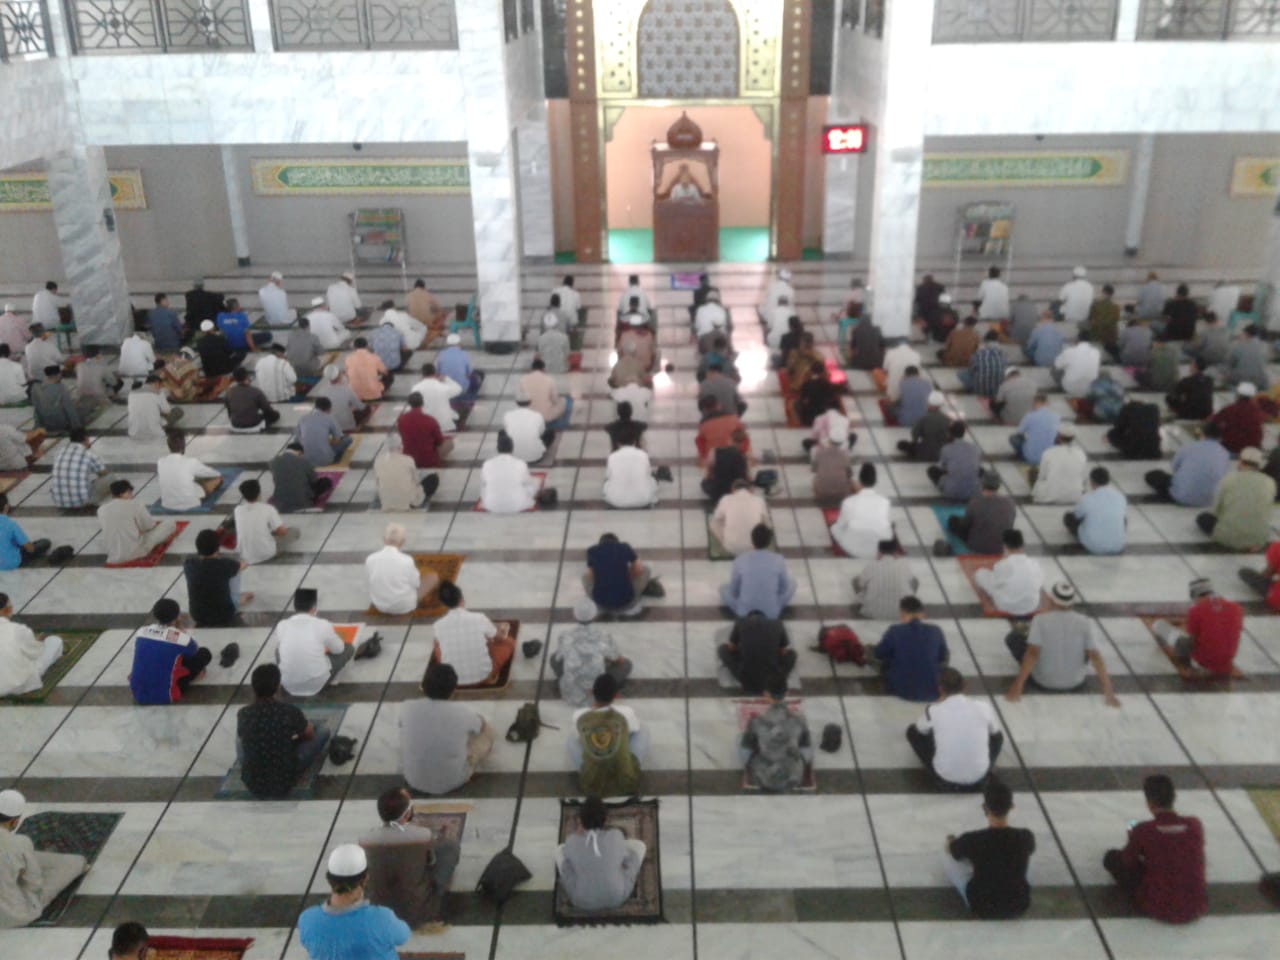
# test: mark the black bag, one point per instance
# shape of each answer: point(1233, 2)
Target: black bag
point(832, 736)
point(528, 723)
point(368, 649)
point(547, 497)
point(501, 874)
point(941, 548)
point(341, 750)
point(60, 555)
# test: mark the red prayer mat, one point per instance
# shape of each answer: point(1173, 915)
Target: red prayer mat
point(153, 558)
point(196, 948)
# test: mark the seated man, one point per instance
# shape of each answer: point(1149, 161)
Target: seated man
point(184, 481)
point(529, 433)
point(625, 429)
point(276, 376)
point(985, 372)
point(553, 344)
point(442, 743)
point(259, 530)
point(958, 738)
point(323, 442)
point(958, 472)
point(930, 432)
point(1063, 474)
point(776, 749)
point(423, 439)
point(545, 398)
point(1015, 582)
point(303, 351)
point(166, 659)
point(759, 582)
point(832, 472)
point(607, 745)
point(864, 518)
point(469, 641)
point(736, 517)
point(150, 414)
point(1161, 867)
point(80, 479)
point(367, 374)
point(911, 653)
point(24, 657)
point(506, 485)
point(350, 412)
point(1061, 644)
point(409, 868)
point(962, 343)
point(1192, 396)
point(294, 478)
point(1211, 636)
point(18, 448)
point(629, 483)
point(346, 921)
point(986, 517)
point(248, 408)
point(308, 649)
point(1105, 399)
point(882, 585)
point(913, 400)
point(583, 654)
point(758, 653)
point(213, 583)
point(13, 379)
point(1015, 398)
point(400, 484)
point(137, 357)
point(16, 548)
point(1242, 420)
point(598, 865)
point(388, 344)
point(989, 867)
point(726, 466)
point(454, 363)
point(395, 584)
point(1077, 366)
point(30, 879)
point(616, 579)
point(217, 359)
point(1137, 431)
point(1098, 522)
point(816, 395)
point(129, 532)
point(1243, 496)
point(52, 406)
point(1036, 432)
point(275, 743)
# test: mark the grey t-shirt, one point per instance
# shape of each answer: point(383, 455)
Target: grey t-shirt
point(961, 462)
point(991, 516)
point(603, 880)
point(1064, 638)
point(433, 743)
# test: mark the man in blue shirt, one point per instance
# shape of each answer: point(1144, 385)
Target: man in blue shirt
point(387, 343)
point(911, 653)
point(166, 326)
point(615, 577)
point(1098, 520)
point(1045, 343)
point(1197, 469)
point(454, 363)
point(913, 398)
point(986, 368)
point(1037, 432)
point(759, 582)
point(166, 659)
point(347, 926)
point(234, 324)
point(323, 441)
point(16, 548)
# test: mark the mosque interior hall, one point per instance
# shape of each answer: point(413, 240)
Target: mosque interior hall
point(681, 479)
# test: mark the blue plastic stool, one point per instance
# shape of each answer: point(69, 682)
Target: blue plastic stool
point(472, 321)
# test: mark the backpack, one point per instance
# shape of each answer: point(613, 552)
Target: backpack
point(842, 645)
point(527, 724)
point(501, 874)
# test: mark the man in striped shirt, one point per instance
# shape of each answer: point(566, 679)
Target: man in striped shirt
point(986, 368)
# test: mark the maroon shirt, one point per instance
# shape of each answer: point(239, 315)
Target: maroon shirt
point(1241, 424)
point(1170, 852)
point(422, 437)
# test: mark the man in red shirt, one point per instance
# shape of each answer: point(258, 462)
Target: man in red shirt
point(719, 429)
point(1162, 865)
point(421, 435)
point(1212, 634)
point(1267, 580)
point(1241, 421)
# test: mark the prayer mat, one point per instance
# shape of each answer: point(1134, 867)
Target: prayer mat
point(344, 462)
point(430, 955)
point(754, 706)
point(1268, 804)
point(717, 550)
point(348, 631)
point(157, 552)
point(538, 475)
point(575, 361)
point(229, 477)
point(886, 411)
point(1083, 409)
point(944, 513)
point(829, 516)
point(486, 691)
point(10, 480)
point(75, 644)
point(971, 564)
point(446, 566)
point(63, 832)
point(14, 406)
point(325, 716)
point(446, 821)
point(638, 819)
point(196, 948)
point(1190, 671)
point(211, 389)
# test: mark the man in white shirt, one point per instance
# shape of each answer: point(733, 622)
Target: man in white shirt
point(412, 331)
point(544, 397)
point(736, 515)
point(896, 360)
point(15, 331)
point(628, 478)
point(436, 391)
point(395, 584)
point(779, 289)
point(527, 430)
point(41, 352)
point(1225, 300)
point(958, 738)
point(13, 379)
point(993, 297)
point(470, 642)
point(1014, 584)
point(275, 375)
point(864, 518)
point(710, 318)
point(44, 306)
point(275, 303)
point(328, 329)
point(640, 397)
point(1076, 297)
point(259, 530)
point(24, 657)
point(150, 414)
point(308, 649)
point(137, 357)
point(1063, 475)
point(129, 532)
point(570, 302)
point(633, 291)
point(184, 481)
point(778, 322)
point(506, 486)
point(1077, 367)
point(343, 298)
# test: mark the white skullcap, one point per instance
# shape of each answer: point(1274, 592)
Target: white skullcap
point(317, 301)
point(784, 273)
point(348, 860)
point(637, 320)
point(453, 340)
point(1079, 272)
point(1246, 389)
point(1067, 429)
point(944, 298)
point(206, 325)
point(348, 275)
point(936, 399)
point(1252, 456)
point(585, 610)
point(550, 320)
point(331, 372)
point(277, 275)
point(8, 308)
point(1009, 370)
point(12, 803)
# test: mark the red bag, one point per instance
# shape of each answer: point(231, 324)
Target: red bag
point(842, 645)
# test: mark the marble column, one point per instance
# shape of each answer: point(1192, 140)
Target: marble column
point(490, 149)
point(1127, 20)
point(235, 206)
point(260, 25)
point(840, 204)
point(537, 217)
point(91, 257)
point(1139, 189)
point(898, 143)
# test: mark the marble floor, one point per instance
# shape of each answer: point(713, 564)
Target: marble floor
point(852, 870)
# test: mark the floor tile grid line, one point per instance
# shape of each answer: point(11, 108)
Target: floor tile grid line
point(1012, 744)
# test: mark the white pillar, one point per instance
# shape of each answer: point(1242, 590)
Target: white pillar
point(1139, 189)
point(91, 258)
point(840, 205)
point(1127, 20)
point(537, 218)
point(235, 206)
point(490, 133)
point(260, 25)
point(899, 160)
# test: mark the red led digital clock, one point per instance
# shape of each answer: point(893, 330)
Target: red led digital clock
point(848, 138)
